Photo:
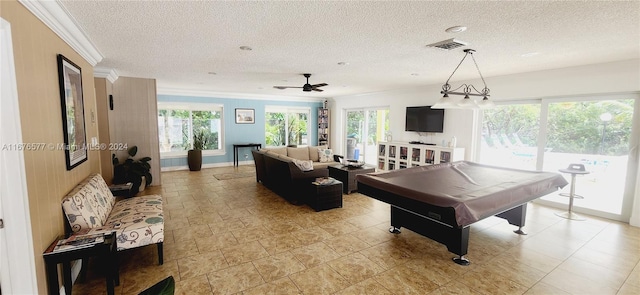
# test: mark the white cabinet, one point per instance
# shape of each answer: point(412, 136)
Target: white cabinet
point(400, 155)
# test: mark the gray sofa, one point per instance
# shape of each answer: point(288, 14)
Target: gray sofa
point(275, 169)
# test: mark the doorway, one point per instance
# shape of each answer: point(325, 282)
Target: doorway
point(364, 128)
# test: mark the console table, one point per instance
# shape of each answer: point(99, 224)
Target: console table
point(236, 162)
point(107, 250)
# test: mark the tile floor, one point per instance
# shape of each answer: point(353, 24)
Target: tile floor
point(236, 237)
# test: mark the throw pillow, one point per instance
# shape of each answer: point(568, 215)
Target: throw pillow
point(325, 155)
point(304, 165)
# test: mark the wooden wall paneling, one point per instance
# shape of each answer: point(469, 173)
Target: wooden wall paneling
point(104, 88)
point(134, 120)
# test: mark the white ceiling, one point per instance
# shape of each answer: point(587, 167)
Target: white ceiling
point(180, 42)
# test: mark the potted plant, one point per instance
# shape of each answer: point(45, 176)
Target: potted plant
point(137, 172)
point(201, 139)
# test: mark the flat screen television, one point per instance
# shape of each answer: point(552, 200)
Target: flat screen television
point(424, 119)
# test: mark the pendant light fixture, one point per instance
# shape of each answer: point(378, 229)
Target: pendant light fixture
point(467, 90)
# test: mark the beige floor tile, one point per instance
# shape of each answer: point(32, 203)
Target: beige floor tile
point(319, 280)
point(369, 286)
point(346, 244)
point(489, 283)
point(454, 288)
point(180, 249)
point(234, 279)
point(192, 232)
point(275, 267)
point(577, 284)
point(545, 289)
point(386, 255)
point(215, 242)
point(355, 267)
point(201, 264)
point(312, 235)
point(404, 280)
point(245, 235)
point(315, 254)
point(194, 286)
point(517, 272)
point(374, 236)
point(338, 228)
point(242, 253)
point(280, 243)
point(281, 286)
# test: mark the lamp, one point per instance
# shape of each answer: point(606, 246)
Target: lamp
point(467, 90)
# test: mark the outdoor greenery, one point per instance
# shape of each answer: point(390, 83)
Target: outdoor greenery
point(200, 126)
point(573, 127)
point(356, 118)
point(277, 133)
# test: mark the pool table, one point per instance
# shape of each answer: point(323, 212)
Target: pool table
point(442, 201)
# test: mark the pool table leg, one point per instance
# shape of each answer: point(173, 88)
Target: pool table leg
point(394, 230)
point(516, 216)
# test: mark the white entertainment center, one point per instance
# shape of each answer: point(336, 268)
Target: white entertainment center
point(400, 155)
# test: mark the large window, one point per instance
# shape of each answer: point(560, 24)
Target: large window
point(286, 126)
point(550, 134)
point(178, 124)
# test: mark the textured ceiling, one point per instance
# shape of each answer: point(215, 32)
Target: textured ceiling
point(180, 42)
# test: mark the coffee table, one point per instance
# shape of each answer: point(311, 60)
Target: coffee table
point(347, 174)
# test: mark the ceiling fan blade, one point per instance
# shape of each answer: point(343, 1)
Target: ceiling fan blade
point(320, 85)
point(285, 87)
point(316, 89)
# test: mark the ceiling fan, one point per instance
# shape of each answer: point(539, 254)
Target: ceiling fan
point(306, 87)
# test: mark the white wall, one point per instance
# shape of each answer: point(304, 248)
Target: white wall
point(614, 77)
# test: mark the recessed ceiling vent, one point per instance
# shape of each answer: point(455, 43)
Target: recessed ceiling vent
point(448, 44)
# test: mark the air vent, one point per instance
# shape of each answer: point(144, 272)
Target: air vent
point(448, 44)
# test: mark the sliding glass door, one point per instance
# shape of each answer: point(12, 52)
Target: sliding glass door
point(550, 134)
point(364, 128)
point(595, 134)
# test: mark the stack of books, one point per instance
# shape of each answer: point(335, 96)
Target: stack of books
point(77, 241)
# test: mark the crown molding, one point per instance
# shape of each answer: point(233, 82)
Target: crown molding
point(109, 74)
point(56, 17)
point(252, 96)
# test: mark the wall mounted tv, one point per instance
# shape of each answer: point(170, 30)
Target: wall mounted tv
point(424, 119)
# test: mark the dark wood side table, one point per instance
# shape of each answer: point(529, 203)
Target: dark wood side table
point(107, 250)
point(123, 190)
point(347, 174)
point(327, 196)
point(236, 162)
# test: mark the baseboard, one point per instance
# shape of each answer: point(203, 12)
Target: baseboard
point(211, 165)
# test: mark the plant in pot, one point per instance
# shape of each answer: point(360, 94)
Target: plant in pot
point(201, 139)
point(137, 172)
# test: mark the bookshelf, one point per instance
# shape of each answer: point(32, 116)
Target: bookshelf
point(323, 126)
point(400, 155)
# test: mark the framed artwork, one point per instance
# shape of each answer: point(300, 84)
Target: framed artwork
point(245, 116)
point(72, 102)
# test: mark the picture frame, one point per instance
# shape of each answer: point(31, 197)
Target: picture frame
point(245, 116)
point(72, 103)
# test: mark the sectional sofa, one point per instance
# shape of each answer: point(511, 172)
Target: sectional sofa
point(288, 171)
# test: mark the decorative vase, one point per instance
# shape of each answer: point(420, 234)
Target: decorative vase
point(194, 159)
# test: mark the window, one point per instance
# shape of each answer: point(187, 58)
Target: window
point(178, 123)
point(365, 127)
point(286, 126)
